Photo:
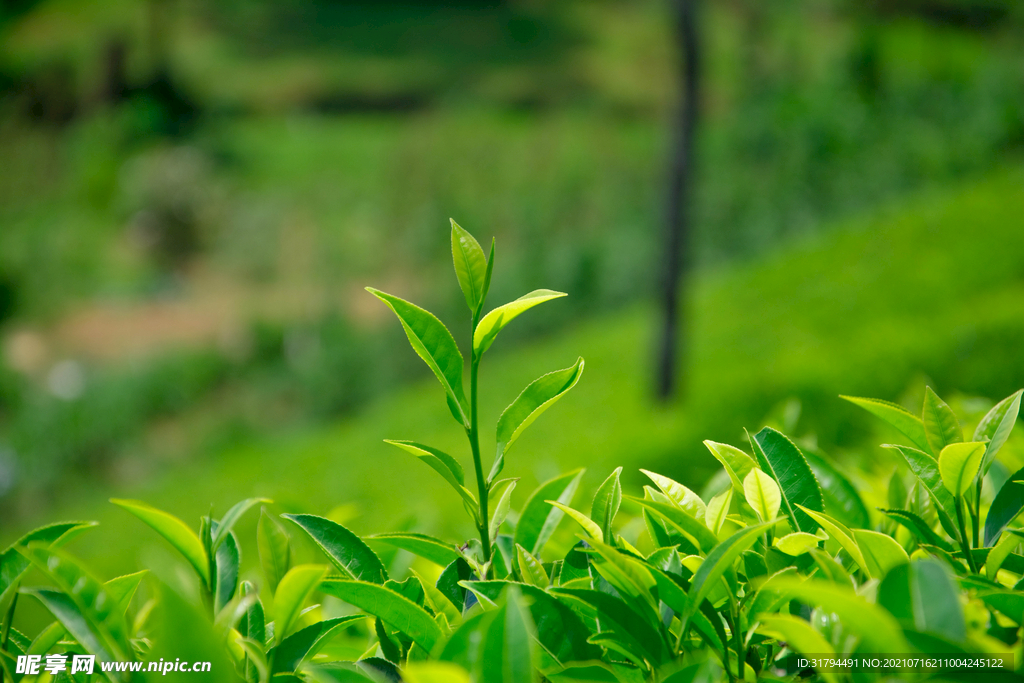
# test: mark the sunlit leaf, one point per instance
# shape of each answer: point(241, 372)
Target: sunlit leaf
point(717, 510)
point(291, 594)
point(941, 426)
point(175, 531)
point(492, 323)
point(779, 457)
point(735, 462)
point(470, 266)
point(762, 494)
point(606, 503)
point(800, 636)
point(344, 549)
point(398, 611)
point(429, 548)
point(903, 420)
point(881, 552)
point(996, 426)
point(442, 463)
point(959, 464)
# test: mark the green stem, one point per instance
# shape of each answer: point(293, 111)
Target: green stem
point(976, 514)
point(474, 444)
point(6, 635)
point(738, 639)
point(964, 545)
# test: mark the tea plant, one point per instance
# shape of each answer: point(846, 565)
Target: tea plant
point(781, 568)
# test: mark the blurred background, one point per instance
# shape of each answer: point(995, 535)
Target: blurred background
point(194, 194)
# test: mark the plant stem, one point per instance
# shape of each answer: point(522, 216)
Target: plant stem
point(738, 638)
point(976, 514)
point(964, 541)
point(474, 444)
point(6, 635)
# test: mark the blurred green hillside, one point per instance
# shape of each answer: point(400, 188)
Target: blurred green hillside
point(843, 312)
point(192, 196)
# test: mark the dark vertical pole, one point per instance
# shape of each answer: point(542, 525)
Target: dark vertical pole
point(678, 215)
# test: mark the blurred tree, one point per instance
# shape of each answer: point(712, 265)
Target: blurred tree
point(676, 245)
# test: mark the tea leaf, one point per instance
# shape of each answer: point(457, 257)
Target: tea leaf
point(69, 614)
point(291, 593)
point(344, 549)
point(800, 636)
point(427, 547)
point(470, 266)
point(592, 529)
point(538, 519)
point(501, 510)
point(922, 596)
point(540, 395)
point(896, 415)
point(841, 497)
point(434, 672)
point(274, 549)
point(1005, 507)
point(13, 564)
point(606, 503)
point(779, 457)
point(448, 583)
point(531, 568)
point(496, 320)
point(398, 611)
point(877, 629)
point(679, 494)
point(881, 552)
point(231, 517)
point(926, 468)
point(736, 463)
point(303, 645)
point(690, 527)
point(617, 618)
point(122, 589)
point(959, 464)
point(716, 564)
point(842, 535)
point(940, 423)
point(996, 426)
point(762, 494)
point(226, 562)
point(718, 509)
point(507, 654)
point(442, 463)
point(797, 543)
point(434, 344)
point(917, 526)
point(175, 531)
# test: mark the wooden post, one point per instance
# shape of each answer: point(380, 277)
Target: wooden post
point(678, 215)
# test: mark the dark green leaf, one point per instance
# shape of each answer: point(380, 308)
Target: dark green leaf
point(470, 266)
point(538, 519)
point(922, 596)
point(926, 468)
point(606, 504)
point(1005, 507)
point(540, 395)
point(561, 633)
point(448, 582)
point(70, 616)
point(429, 548)
point(779, 457)
point(620, 619)
point(940, 424)
point(302, 645)
point(896, 415)
point(434, 344)
point(343, 548)
point(576, 565)
point(398, 611)
point(13, 564)
point(841, 498)
point(917, 526)
point(227, 559)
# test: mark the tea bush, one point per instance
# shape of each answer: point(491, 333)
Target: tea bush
point(782, 572)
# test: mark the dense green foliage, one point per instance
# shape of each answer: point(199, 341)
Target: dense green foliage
point(780, 559)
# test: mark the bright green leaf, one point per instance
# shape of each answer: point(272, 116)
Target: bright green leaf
point(592, 529)
point(881, 552)
point(842, 535)
point(470, 266)
point(679, 494)
point(429, 548)
point(501, 509)
point(762, 494)
point(800, 636)
point(996, 426)
point(896, 415)
point(1005, 507)
point(923, 596)
point(540, 395)
point(508, 653)
point(398, 611)
point(442, 463)
point(736, 463)
point(175, 531)
point(717, 510)
point(531, 568)
point(231, 517)
point(303, 645)
point(797, 543)
point(496, 320)
point(959, 464)
point(606, 503)
point(274, 548)
point(291, 594)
